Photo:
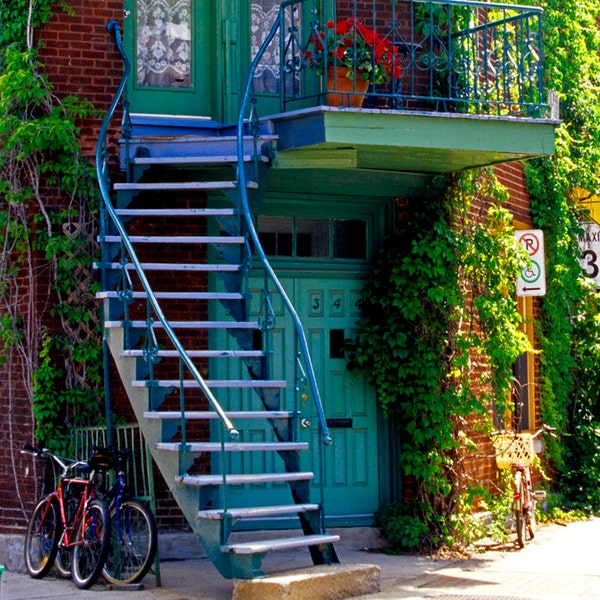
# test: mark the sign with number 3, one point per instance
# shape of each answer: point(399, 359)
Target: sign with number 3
point(589, 246)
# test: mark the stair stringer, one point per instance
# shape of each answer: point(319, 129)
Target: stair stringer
point(213, 533)
point(208, 532)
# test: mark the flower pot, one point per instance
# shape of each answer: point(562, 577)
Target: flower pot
point(342, 91)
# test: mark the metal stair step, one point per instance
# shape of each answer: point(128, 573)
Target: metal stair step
point(214, 383)
point(212, 268)
point(193, 160)
point(175, 147)
point(186, 324)
point(181, 186)
point(232, 446)
point(174, 239)
point(241, 479)
point(174, 295)
point(264, 546)
point(198, 353)
point(195, 415)
point(257, 511)
point(177, 212)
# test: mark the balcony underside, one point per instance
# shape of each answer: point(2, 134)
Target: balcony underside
point(390, 153)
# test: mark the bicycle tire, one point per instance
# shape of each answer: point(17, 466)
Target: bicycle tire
point(62, 562)
point(519, 513)
point(42, 537)
point(92, 541)
point(134, 540)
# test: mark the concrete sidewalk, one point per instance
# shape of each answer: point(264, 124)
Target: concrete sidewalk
point(561, 563)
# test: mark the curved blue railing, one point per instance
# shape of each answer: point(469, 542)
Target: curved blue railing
point(104, 181)
point(248, 105)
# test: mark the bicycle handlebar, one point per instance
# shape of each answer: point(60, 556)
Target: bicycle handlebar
point(66, 464)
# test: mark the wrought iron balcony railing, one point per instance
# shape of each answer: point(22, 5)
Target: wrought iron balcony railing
point(426, 55)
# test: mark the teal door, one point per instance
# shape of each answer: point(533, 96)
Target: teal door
point(329, 308)
point(171, 46)
point(323, 263)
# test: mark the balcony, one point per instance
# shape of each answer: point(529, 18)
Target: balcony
point(404, 86)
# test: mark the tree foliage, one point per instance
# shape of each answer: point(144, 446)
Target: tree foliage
point(569, 325)
point(48, 317)
point(440, 302)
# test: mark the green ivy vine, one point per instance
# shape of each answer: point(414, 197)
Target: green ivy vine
point(439, 305)
point(569, 325)
point(48, 195)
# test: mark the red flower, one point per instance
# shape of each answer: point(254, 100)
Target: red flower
point(356, 47)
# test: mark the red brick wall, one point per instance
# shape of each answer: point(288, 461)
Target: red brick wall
point(80, 58)
point(481, 467)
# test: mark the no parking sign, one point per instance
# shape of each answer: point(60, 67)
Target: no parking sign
point(532, 279)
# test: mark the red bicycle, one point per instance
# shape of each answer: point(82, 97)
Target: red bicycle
point(72, 520)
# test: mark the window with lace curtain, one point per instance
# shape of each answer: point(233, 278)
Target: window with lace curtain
point(263, 15)
point(163, 48)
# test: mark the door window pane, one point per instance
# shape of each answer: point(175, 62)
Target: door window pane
point(263, 14)
point(312, 238)
point(350, 238)
point(164, 39)
point(276, 234)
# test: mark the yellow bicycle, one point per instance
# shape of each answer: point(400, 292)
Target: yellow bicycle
point(516, 451)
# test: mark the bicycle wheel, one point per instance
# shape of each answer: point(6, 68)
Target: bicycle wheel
point(133, 543)
point(519, 513)
point(42, 537)
point(62, 562)
point(92, 540)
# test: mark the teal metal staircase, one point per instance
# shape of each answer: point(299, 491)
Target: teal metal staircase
point(169, 258)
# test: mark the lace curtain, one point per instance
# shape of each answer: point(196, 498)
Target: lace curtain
point(163, 43)
point(263, 15)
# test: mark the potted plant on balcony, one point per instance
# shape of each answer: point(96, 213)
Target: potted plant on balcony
point(352, 57)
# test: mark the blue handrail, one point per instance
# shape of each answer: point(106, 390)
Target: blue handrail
point(103, 179)
point(248, 99)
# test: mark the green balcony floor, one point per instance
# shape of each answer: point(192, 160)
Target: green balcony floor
point(378, 152)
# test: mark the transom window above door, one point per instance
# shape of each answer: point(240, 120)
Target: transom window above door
point(320, 238)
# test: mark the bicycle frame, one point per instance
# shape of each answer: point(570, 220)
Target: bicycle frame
point(516, 451)
point(68, 537)
point(68, 526)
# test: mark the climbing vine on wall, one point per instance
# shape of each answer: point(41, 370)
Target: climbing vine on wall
point(569, 324)
point(439, 335)
point(48, 317)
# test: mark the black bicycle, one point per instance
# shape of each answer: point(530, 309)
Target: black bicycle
point(134, 536)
